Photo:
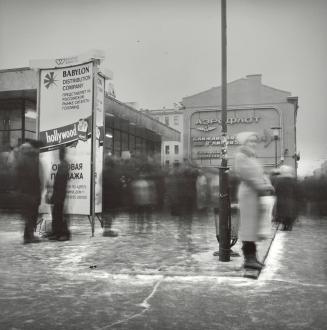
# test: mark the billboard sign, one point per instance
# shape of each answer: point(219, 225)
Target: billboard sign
point(65, 120)
point(205, 133)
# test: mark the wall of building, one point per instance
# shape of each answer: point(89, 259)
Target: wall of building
point(247, 97)
point(18, 79)
point(171, 151)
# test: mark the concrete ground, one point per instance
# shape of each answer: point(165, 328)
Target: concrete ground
point(159, 274)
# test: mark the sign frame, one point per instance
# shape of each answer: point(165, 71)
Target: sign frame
point(215, 113)
point(95, 61)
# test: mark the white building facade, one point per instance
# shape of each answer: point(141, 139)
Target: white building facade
point(171, 151)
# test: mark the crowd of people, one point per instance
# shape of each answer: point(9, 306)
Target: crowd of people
point(140, 186)
point(22, 175)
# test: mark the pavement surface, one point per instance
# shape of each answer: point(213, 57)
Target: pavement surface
point(159, 274)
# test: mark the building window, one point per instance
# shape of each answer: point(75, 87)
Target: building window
point(117, 143)
point(167, 120)
point(30, 120)
point(167, 162)
point(12, 130)
point(124, 141)
point(131, 146)
point(109, 141)
point(176, 149)
point(167, 150)
point(176, 120)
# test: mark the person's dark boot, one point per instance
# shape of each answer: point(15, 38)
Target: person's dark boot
point(52, 237)
point(109, 233)
point(63, 238)
point(33, 239)
point(251, 262)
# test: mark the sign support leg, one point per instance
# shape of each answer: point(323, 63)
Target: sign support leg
point(93, 147)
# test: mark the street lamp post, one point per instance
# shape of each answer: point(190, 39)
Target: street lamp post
point(275, 131)
point(224, 206)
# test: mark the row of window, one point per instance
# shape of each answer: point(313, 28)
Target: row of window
point(167, 122)
point(118, 141)
point(176, 149)
point(176, 162)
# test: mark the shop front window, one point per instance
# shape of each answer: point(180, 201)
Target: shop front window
point(131, 146)
point(109, 141)
point(138, 144)
point(10, 125)
point(30, 120)
point(124, 137)
point(117, 143)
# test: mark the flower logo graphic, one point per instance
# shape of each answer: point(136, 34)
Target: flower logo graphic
point(50, 79)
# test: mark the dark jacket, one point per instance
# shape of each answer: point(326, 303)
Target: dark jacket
point(113, 187)
point(287, 194)
point(60, 182)
point(28, 178)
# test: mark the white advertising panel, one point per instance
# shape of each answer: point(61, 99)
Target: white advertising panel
point(65, 120)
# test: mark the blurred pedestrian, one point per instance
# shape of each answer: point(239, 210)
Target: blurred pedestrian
point(60, 229)
point(253, 184)
point(174, 182)
point(202, 192)
point(128, 172)
point(188, 194)
point(29, 184)
point(287, 194)
point(112, 195)
point(143, 190)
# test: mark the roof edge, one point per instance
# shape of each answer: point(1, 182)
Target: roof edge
point(25, 68)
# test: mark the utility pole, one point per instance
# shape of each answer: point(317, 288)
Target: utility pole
point(276, 137)
point(224, 202)
point(276, 164)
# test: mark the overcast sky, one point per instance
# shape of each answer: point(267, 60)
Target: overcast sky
point(163, 50)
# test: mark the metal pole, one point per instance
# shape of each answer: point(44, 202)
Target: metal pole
point(276, 152)
point(224, 207)
point(93, 145)
point(23, 121)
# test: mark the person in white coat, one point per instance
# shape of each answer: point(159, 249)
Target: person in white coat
point(253, 184)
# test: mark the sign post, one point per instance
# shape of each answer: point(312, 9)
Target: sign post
point(93, 146)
